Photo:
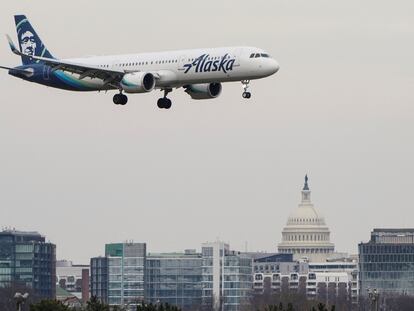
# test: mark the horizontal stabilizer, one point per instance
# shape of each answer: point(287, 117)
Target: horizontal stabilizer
point(7, 68)
point(26, 72)
point(12, 46)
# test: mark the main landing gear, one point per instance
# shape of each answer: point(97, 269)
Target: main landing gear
point(120, 99)
point(164, 102)
point(246, 94)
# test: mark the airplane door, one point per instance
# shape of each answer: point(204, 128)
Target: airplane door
point(182, 61)
point(115, 64)
point(46, 72)
point(237, 54)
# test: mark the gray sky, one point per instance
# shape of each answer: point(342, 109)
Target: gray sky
point(85, 172)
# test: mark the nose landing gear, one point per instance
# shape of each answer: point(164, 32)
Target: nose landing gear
point(164, 102)
point(120, 99)
point(245, 84)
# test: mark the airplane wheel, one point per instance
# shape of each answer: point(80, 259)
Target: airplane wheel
point(168, 103)
point(246, 95)
point(164, 103)
point(124, 99)
point(117, 99)
point(160, 103)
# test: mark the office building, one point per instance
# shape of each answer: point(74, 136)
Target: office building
point(326, 281)
point(126, 267)
point(118, 278)
point(346, 273)
point(386, 262)
point(99, 278)
point(217, 278)
point(174, 278)
point(27, 260)
point(227, 277)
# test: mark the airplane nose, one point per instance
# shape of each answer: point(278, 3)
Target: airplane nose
point(274, 66)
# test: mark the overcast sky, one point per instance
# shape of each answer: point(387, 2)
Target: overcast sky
point(85, 172)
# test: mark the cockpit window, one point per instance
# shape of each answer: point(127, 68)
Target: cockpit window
point(258, 55)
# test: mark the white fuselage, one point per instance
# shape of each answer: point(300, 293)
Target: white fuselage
point(184, 67)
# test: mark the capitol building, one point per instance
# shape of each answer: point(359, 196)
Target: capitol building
point(306, 234)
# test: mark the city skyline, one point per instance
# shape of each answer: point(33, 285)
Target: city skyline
point(84, 173)
point(304, 204)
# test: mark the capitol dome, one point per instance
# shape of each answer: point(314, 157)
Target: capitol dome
point(306, 234)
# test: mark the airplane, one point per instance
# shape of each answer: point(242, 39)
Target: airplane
point(200, 72)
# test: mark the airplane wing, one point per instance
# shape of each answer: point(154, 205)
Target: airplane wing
point(109, 76)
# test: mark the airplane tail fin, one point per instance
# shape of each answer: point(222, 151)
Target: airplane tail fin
point(29, 42)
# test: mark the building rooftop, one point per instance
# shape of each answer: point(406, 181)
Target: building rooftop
point(16, 236)
point(21, 233)
point(173, 254)
point(394, 230)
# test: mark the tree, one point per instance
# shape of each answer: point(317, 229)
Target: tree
point(7, 293)
point(322, 307)
point(157, 307)
point(49, 305)
point(94, 304)
point(290, 307)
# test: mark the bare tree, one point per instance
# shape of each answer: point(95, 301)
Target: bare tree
point(7, 293)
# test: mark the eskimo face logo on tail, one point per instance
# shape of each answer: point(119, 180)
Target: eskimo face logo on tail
point(205, 63)
point(28, 43)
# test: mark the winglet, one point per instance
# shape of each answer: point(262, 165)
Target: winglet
point(12, 46)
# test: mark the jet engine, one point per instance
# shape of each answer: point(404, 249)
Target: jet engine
point(204, 91)
point(138, 82)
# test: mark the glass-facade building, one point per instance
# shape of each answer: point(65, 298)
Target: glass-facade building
point(27, 260)
point(217, 278)
point(118, 278)
point(99, 278)
point(386, 262)
point(227, 277)
point(126, 266)
point(174, 278)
